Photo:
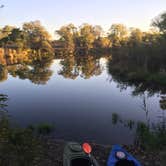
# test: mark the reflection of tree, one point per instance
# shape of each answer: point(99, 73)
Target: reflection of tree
point(38, 73)
point(26, 56)
point(22, 71)
point(3, 100)
point(130, 72)
point(69, 69)
point(116, 119)
point(85, 66)
point(145, 107)
point(90, 66)
point(148, 136)
point(163, 102)
point(3, 74)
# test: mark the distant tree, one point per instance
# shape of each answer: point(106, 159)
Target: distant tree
point(17, 38)
point(151, 38)
point(98, 31)
point(118, 34)
point(102, 42)
point(15, 34)
point(35, 34)
point(136, 36)
point(5, 31)
point(87, 36)
point(160, 22)
point(67, 35)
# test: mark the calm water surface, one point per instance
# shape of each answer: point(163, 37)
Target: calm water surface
point(81, 109)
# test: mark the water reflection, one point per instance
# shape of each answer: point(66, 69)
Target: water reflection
point(149, 136)
point(93, 100)
point(36, 74)
point(3, 74)
point(39, 72)
point(163, 102)
point(86, 67)
point(3, 102)
point(122, 72)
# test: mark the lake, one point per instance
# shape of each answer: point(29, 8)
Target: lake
point(84, 103)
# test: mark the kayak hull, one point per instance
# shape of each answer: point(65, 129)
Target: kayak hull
point(112, 160)
point(74, 155)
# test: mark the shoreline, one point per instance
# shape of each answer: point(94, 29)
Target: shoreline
point(54, 153)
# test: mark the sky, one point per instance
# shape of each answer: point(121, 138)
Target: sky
point(55, 13)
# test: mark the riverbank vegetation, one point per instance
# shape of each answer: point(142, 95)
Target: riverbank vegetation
point(32, 41)
point(20, 146)
point(32, 145)
point(136, 56)
point(141, 60)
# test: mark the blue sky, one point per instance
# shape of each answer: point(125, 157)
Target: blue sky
point(55, 13)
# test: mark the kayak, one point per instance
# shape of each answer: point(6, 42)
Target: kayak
point(74, 155)
point(120, 156)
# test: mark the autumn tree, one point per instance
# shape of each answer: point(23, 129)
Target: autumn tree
point(4, 34)
point(87, 36)
point(67, 35)
point(136, 36)
point(102, 43)
point(5, 31)
point(37, 37)
point(90, 66)
point(118, 34)
point(98, 31)
point(69, 68)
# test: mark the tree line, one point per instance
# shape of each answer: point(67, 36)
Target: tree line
point(32, 42)
point(34, 36)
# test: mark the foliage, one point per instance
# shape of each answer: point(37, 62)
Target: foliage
point(67, 35)
point(72, 67)
point(45, 128)
point(20, 146)
point(18, 44)
point(149, 137)
point(35, 34)
point(118, 34)
point(17, 146)
point(160, 22)
point(82, 40)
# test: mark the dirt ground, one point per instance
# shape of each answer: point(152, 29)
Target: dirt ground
point(54, 154)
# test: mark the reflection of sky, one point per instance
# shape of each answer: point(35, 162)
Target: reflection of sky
point(78, 108)
point(54, 14)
